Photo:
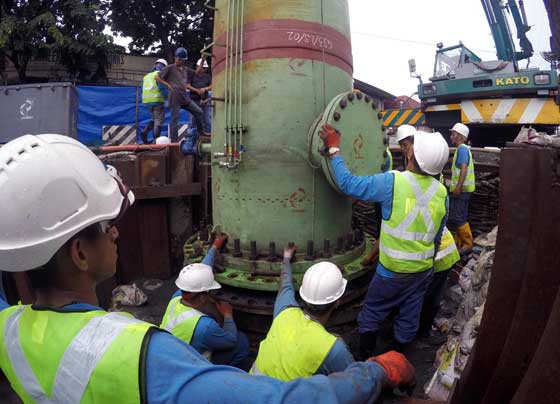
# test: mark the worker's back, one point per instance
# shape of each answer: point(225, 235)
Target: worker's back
point(72, 356)
point(295, 346)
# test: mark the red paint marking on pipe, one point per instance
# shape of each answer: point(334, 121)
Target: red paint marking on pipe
point(289, 38)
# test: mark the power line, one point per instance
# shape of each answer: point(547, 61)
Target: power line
point(431, 44)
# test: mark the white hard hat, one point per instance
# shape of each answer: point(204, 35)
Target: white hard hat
point(163, 140)
point(431, 152)
point(461, 129)
point(51, 188)
point(197, 278)
point(322, 284)
point(200, 61)
point(405, 131)
point(162, 61)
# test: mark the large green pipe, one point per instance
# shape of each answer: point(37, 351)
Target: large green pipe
point(281, 67)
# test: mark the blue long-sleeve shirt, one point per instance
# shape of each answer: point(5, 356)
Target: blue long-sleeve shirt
point(339, 357)
point(208, 335)
point(376, 188)
point(177, 373)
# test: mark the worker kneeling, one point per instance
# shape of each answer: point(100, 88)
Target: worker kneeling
point(189, 315)
point(297, 344)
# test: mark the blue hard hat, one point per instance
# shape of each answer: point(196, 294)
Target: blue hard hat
point(181, 53)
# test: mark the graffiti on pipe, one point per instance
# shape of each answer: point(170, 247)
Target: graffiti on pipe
point(296, 66)
point(317, 41)
point(358, 146)
point(296, 200)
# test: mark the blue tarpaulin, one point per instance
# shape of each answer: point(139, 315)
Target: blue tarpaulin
point(103, 106)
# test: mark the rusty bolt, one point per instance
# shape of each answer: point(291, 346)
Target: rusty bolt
point(339, 245)
point(379, 115)
point(253, 255)
point(351, 96)
point(336, 116)
point(343, 104)
point(367, 99)
point(237, 248)
point(310, 254)
point(327, 249)
point(359, 95)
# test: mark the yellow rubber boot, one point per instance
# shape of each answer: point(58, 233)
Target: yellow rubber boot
point(466, 237)
point(457, 238)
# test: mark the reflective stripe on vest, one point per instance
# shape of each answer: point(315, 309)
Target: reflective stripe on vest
point(469, 184)
point(181, 320)
point(390, 164)
point(405, 245)
point(150, 90)
point(447, 254)
point(77, 363)
point(295, 346)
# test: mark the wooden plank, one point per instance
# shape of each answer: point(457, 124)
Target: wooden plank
point(154, 235)
point(129, 243)
point(166, 191)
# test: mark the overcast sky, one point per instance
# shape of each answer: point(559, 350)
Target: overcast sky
point(385, 35)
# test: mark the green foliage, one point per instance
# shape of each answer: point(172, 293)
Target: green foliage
point(159, 26)
point(68, 31)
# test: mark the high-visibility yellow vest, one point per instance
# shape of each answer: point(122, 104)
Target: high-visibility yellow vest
point(389, 166)
point(150, 90)
point(180, 320)
point(406, 244)
point(73, 357)
point(469, 184)
point(447, 254)
point(295, 346)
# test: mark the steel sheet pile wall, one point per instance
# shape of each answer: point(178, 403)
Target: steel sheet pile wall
point(516, 355)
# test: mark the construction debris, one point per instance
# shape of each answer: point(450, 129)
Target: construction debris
point(471, 293)
point(127, 295)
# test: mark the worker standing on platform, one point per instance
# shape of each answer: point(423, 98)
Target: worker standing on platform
point(153, 96)
point(189, 315)
point(66, 349)
point(175, 78)
point(414, 207)
point(446, 258)
point(461, 189)
point(200, 83)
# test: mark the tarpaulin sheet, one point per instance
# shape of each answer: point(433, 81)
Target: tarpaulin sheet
point(103, 106)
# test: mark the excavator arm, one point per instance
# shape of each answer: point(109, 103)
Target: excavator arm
point(495, 11)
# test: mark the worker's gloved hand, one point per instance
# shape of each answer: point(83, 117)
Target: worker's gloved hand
point(400, 372)
point(225, 309)
point(219, 241)
point(290, 251)
point(330, 136)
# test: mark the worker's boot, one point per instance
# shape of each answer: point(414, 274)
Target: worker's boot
point(368, 340)
point(145, 131)
point(457, 238)
point(466, 238)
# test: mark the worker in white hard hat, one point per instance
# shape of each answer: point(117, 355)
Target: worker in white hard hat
point(153, 97)
point(461, 188)
point(190, 315)
point(60, 208)
point(297, 344)
point(414, 207)
point(200, 84)
point(163, 140)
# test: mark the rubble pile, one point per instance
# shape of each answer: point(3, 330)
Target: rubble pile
point(470, 295)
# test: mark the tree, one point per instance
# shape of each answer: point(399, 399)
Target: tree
point(69, 31)
point(159, 26)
